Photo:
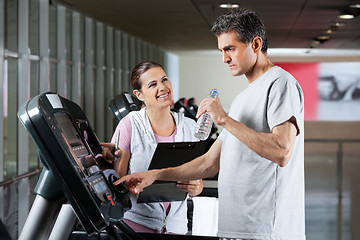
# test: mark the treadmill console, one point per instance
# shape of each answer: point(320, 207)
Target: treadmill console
point(69, 148)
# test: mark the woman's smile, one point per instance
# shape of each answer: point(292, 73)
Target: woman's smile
point(163, 96)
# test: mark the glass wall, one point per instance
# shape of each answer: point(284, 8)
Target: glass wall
point(332, 189)
point(45, 46)
point(332, 181)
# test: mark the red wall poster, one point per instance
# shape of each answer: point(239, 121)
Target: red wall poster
point(331, 90)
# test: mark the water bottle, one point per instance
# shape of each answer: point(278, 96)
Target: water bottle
point(204, 123)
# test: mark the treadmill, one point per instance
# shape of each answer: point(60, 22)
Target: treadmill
point(122, 104)
point(75, 195)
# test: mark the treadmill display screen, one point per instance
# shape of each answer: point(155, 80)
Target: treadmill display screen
point(72, 138)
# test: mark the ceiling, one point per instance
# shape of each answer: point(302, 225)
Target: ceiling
point(183, 25)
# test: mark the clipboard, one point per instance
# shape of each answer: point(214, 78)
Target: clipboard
point(170, 155)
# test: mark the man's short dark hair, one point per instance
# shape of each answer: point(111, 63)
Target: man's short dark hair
point(245, 22)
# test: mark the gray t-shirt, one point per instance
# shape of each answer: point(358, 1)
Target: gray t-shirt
point(257, 198)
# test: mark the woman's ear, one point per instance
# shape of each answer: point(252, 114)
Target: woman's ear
point(257, 44)
point(138, 94)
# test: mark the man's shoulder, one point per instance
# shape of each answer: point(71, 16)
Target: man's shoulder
point(284, 75)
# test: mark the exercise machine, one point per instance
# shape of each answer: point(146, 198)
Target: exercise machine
point(76, 185)
point(122, 104)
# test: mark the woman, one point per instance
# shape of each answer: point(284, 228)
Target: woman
point(137, 135)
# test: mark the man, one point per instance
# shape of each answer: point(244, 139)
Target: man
point(260, 153)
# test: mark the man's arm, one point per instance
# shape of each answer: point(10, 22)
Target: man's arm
point(204, 166)
point(276, 146)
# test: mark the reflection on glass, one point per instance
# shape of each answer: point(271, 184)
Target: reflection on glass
point(351, 191)
point(34, 90)
point(105, 53)
point(82, 87)
point(34, 27)
point(94, 41)
point(68, 34)
point(10, 121)
point(53, 77)
point(11, 209)
point(321, 190)
point(11, 25)
point(34, 78)
point(52, 30)
point(82, 38)
point(68, 81)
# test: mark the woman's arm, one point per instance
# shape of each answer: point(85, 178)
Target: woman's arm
point(119, 159)
point(121, 165)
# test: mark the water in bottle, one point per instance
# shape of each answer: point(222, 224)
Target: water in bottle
point(204, 123)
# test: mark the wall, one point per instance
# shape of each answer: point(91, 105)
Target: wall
point(171, 66)
point(199, 71)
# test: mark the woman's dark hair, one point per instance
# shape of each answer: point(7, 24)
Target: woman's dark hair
point(245, 23)
point(139, 70)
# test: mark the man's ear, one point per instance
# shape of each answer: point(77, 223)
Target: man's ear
point(256, 44)
point(138, 94)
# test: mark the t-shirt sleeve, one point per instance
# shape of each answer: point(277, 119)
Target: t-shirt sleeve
point(222, 134)
point(124, 129)
point(285, 101)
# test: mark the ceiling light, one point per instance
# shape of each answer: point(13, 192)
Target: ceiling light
point(355, 6)
point(324, 37)
point(229, 5)
point(339, 24)
point(346, 16)
point(328, 31)
point(333, 27)
point(314, 43)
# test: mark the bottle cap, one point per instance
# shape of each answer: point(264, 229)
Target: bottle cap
point(214, 92)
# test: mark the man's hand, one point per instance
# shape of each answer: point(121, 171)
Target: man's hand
point(109, 153)
point(136, 182)
point(192, 187)
point(214, 108)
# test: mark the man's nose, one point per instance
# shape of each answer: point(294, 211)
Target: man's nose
point(226, 58)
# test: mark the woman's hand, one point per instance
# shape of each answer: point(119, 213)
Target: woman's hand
point(193, 187)
point(109, 153)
